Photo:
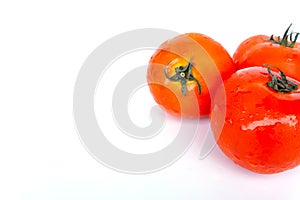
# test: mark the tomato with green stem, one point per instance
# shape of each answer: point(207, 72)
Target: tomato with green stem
point(185, 70)
point(261, 131)
point(283, 52)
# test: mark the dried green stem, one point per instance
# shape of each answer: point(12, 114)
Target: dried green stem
point(289, 39)
point(280, 83)
point(183, 74)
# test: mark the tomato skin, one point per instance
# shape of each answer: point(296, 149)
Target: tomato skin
point(259, 50)
point(211, 64)
point(261, 131)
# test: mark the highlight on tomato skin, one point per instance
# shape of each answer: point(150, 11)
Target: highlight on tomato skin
point(281, 51)
point(185, 71)
point(261, 131)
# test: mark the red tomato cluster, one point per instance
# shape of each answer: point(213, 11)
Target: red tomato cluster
point(252, 98)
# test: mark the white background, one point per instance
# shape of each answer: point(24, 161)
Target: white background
point(42, 48)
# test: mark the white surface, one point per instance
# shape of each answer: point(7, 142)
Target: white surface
point(42, 47)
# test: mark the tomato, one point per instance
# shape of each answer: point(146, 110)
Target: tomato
point(184, 72)
point(261, 131)
point(261, 49)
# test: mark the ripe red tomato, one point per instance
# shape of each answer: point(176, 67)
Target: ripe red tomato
point(185, 70)
point(261, 131)
point(261, 49)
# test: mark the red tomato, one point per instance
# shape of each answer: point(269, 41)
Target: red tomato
point(261, 131)
point(184, 72)
point(261, 49)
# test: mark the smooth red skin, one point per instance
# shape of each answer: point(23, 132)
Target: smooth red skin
point(259, 50)
point(266, 149)
point(168, 94)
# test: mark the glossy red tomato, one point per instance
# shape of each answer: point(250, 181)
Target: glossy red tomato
point(261, 49)
point(261, 131)
point(184, 72)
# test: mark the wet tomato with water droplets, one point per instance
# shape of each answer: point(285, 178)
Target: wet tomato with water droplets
point(185, 71)
point(283, 52)
point(261, 131)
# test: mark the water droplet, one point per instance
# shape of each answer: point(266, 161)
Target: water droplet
point(236, 157)
point(253, 164)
